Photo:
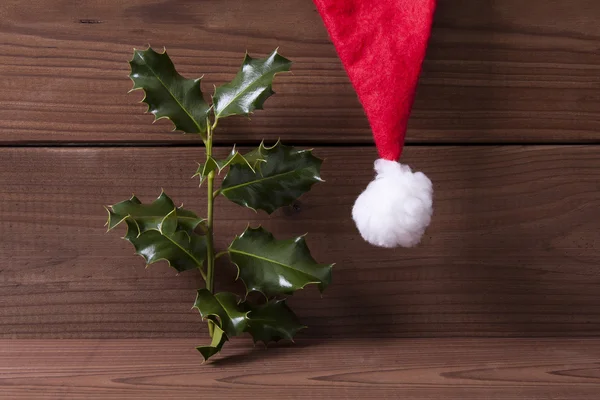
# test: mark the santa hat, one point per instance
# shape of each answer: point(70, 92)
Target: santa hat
point(381, 44)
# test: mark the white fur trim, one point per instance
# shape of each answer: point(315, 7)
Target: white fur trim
point(396, 207)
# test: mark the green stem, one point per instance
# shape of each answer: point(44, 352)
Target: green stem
point(210, 250)
point(221, 254)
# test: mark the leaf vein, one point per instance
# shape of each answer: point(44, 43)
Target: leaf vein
point(199, 264)
point(257, 181)
point(271, 261)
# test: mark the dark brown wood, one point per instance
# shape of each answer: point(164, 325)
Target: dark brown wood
point(494, 72)
point(512, 250)
point(449, 369)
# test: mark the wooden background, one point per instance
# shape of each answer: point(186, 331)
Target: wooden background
point(506, 123)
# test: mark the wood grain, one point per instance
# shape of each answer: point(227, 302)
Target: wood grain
point(494, 73)
point(449, 369)
point(512, 250)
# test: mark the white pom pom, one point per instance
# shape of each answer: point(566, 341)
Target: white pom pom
point(396, 207)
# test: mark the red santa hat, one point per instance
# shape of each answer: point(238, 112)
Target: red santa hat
point(382, 44)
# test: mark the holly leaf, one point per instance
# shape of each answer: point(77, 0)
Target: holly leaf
point(272, 322)
point(223, 309)
point(250, 160)
point(251, 86)
point(183, 250)
point(285, 175)
point(205, 168)
point(149, 216)
point(269, 322)
point(218, 340)
point(275, 267)
point(161, 231)
point(168, 94)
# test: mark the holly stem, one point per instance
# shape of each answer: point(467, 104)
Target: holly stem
point(210, 250)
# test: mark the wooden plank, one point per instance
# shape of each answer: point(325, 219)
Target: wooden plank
point(449, 369)
point(512, 250)
point(493, 73)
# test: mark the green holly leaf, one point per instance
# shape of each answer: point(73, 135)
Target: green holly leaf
point(168, 94)
point(218, 340)
point(272, 322)
point(223, 309)
point(183, 250)
point(149, 216)
point(251, 86)
point(161, 231)
point(285, 175)
point(250, 160)
point(206, 168)
point(269, 322)
point(275, 267)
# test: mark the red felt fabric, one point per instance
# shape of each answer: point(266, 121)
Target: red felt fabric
point(381, 44)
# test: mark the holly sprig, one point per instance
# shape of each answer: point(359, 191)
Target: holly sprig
point(265, 178)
